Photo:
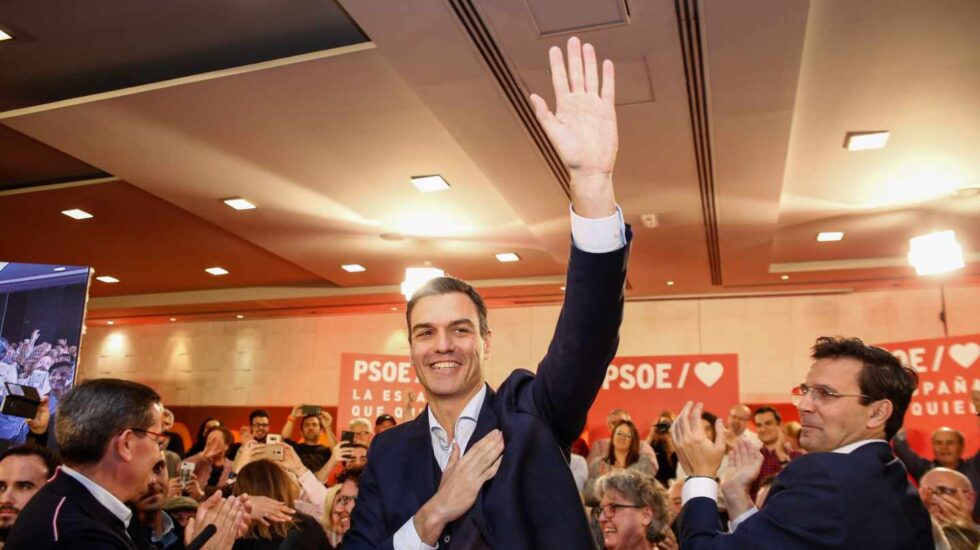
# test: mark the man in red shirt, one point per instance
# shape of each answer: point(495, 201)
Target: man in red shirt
point(774, 454)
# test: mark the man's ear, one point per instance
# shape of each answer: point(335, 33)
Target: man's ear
point(122, 446)
point(486, 345)
point(881, 411)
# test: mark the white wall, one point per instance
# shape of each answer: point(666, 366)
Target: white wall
point(287, 361)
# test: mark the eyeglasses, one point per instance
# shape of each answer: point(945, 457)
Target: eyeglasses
point(610, 510)
point(346, 500)
point(943, 490)
point(820, 394)
point(158, 438)
point(625, 435)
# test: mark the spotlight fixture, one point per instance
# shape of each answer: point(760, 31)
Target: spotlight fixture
point(239, 203)
point(670, 283)
point(428, 184)
point(862, 141)
point(935, 253)
point(829, 236)
point(172, 319)
point(785, 277)
point(77, 214)
point(110, 322)
point(415, 277)
point(353, 268)
point(239, 316)
point(216, 271)
point(507, 257)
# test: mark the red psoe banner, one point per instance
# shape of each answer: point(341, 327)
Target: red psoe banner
point(645, 386)
point(948, 369)
point(372, 385)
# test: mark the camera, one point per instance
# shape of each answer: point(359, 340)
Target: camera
point(662, 427)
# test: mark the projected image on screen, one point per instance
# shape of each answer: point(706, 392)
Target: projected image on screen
point(41, 311)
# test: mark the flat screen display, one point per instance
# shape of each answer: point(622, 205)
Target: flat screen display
point(41, 312)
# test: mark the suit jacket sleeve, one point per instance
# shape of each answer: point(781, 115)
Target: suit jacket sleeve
point(585, 341)
point(915, 464)
point(802, 511)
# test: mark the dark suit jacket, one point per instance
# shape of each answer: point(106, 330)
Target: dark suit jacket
point(64, 514)
point(532, 502)
point(824, 500)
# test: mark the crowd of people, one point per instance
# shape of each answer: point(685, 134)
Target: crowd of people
point(505, 468)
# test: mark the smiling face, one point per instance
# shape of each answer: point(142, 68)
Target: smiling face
point(627, 528)
point(947, 445)
point(622, 437)
point(768, 427)
point(446, 347)
point(343, 505)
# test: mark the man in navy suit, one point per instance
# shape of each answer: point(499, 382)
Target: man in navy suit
point(485, 469)
point(110, 438)
point(849, 491)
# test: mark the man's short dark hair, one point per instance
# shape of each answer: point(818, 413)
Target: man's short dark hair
point(710, 417)
point(767, 409)
point(95, 411)
point(882, 375)
point(301, 422)
point(257, 413)
point(47, 456)
point(61, 365)
point(447, 285)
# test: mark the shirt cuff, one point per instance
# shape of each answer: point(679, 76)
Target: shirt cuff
point(699, 487)
point(598, 235)
point(407, 538)
point(742, 517)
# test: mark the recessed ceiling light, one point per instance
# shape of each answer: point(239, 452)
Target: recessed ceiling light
point(107, 279)
point(77, 214)
point(394, 309)
point(785, 277)
point(353, 268)
point(172, 319)
point(239, 203)
point(110, 322)
point(216, 271)
point(829, 236)
point(5, 36)
point(508, 257)
point(670, 283)
point(861, 141)
point(428, 184)
point(60, 269)
point(240, 316)
point(562, 288)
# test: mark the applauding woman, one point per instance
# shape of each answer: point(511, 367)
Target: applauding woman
point(624, 453)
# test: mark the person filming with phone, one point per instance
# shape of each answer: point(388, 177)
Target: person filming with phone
point(315, 422)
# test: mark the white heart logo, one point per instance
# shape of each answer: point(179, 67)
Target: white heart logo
point(965, 354)
point(709, 373)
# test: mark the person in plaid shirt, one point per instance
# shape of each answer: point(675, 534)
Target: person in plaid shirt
point(775, 455)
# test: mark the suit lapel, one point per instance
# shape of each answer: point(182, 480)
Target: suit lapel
point(424, 479)
point(485, 423)
point(87, 503)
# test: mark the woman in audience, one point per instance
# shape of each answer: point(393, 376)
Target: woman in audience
point(624, 453)
point(212, 467)
point(632, 512)
point(341, 499)
point(663, 446)
point(202, 435)
point(267, 479)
